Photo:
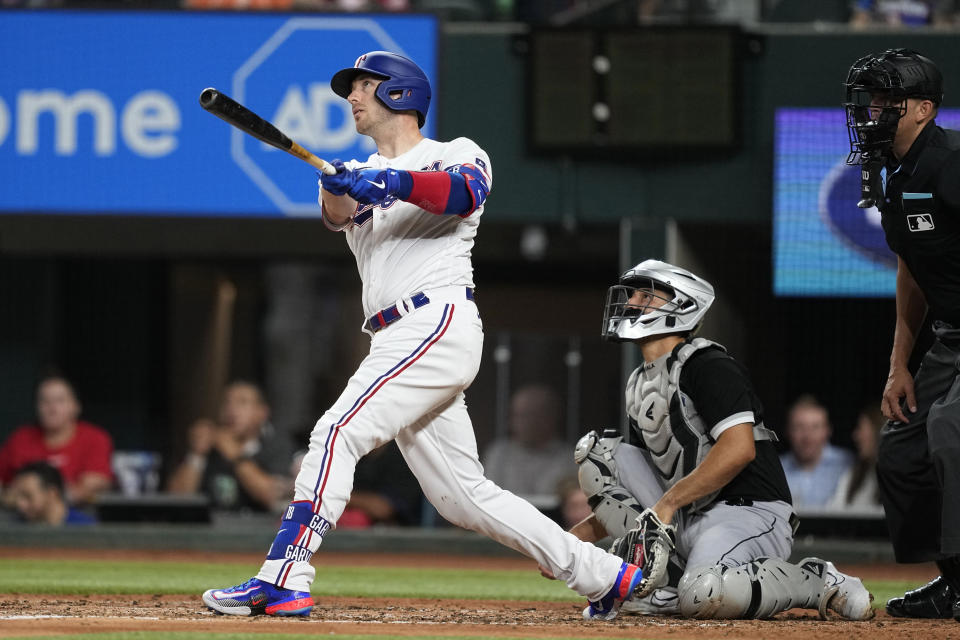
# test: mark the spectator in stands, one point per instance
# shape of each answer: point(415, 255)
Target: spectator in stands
point(238, 462)
point(80, 451)
point(813, 466)
point(533, 459)
point(37, 492)
point(858, 489)
point(902, 13)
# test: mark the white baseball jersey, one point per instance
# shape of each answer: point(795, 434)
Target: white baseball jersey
point(402, 249)
point(410, 387)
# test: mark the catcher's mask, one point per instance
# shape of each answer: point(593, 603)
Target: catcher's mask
point(685, 299)
point(877, 87)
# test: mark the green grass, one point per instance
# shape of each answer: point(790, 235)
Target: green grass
point(111, 577)
point(90, 576)
point(883, 590)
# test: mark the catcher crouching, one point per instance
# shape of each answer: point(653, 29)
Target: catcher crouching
point(695, 494)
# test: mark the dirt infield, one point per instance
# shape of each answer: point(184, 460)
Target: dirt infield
point(35, 615)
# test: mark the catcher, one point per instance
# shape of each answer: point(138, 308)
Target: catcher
point(696, 494)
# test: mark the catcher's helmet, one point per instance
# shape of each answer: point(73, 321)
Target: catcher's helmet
point(398, 73)
point(882, 79)
point(686, 300)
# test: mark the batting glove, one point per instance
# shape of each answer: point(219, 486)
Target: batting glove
point(340, 182)
point(372, 186)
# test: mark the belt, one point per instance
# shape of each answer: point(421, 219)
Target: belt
point(391, 314)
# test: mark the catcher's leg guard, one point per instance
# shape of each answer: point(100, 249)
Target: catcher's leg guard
point(758, 589)
point(767, 586)
point(613, 505)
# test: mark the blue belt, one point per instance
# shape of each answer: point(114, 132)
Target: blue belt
point(389, 315)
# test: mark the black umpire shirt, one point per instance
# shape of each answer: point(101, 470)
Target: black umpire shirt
point(920, 214)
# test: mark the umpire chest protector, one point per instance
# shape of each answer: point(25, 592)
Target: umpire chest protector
point(666, 421)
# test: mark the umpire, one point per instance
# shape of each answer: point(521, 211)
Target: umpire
point(892, 100)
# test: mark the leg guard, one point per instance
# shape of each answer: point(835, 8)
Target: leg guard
point(288, 561)
point(301, 532)
point(613, 506)
point(758, 589)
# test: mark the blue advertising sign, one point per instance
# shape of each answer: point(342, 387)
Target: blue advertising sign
point(99, 110)
point(823, 244)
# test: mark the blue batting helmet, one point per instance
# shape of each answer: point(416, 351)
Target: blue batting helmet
point(398, 73)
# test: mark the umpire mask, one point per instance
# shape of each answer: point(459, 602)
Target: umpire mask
point(685, 299)
point(877, 87)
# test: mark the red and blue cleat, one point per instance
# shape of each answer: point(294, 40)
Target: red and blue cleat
point(256, 597)
point(607, 608)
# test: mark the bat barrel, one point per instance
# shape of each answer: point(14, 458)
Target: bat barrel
point(208, 97)
point(227, 109)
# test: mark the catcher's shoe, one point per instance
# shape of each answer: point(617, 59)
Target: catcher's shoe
point(933, 600)
point(256, 597)
point(842, 594)
point(607, 608)
point(662, 602)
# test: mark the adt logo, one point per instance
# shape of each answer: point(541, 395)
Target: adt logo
point(857, 228)
point(287, 81)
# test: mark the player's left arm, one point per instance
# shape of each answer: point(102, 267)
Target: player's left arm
point(460, 188)
point(733, 451)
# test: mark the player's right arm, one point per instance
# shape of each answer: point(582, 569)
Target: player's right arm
point(911, 309)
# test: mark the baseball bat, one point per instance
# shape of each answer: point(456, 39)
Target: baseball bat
point(231, 111)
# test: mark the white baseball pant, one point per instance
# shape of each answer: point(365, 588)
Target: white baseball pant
point(410, 387)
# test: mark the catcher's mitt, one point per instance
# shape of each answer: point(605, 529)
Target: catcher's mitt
point(648, 546)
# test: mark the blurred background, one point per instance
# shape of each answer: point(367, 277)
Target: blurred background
point(151, 257)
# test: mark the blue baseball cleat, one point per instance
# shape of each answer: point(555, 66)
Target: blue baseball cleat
point(608, 606)
point(256, 597)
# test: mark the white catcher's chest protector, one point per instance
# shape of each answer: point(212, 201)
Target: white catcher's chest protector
point(668, 422)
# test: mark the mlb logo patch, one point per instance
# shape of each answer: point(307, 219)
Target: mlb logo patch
point(480, 163)
point(920, 222)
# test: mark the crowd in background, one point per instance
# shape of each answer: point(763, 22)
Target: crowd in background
point(53, 470)
point(856, 13)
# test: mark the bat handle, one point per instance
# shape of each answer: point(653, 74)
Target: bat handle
point(322, 165)
point(312, 160)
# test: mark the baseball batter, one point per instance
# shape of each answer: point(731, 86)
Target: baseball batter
point(410, 214)
point(699, 455)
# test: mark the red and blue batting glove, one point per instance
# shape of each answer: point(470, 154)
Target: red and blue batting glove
point(373, 186)
point(339, 183)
